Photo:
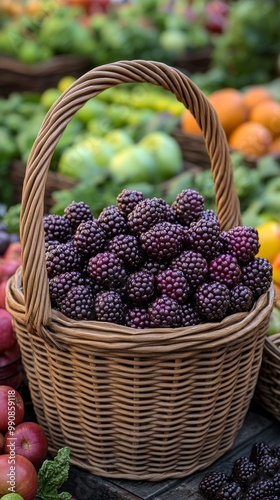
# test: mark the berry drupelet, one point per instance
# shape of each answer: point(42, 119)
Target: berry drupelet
point(90, 238)
point(128, 199)
point(76, 213)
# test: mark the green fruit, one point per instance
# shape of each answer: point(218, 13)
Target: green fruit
point(12, 496)
point(118, 139)
point(173, 41)
point(93, 108)
point(133, 164)
point(49, 96)
point(166, 152)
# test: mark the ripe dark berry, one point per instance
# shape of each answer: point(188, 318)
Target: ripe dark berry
point(188, 205)
point(137, 317)
point(205, 238)
point(164, 312)
point(212, 301)
point(112, 221)
point(230, 491)
point(62, 259)
point(107, 269)
point(56, 227)
point(241, 298)
point(193, 265)
point(140, 287)
point(258, 450)
point(76, 213)
point(127, 248)
point(147, 213)
point(154, 266)
point(90, 238)
point(109, 307)
point(60, 285)
point(190, 315)
point(260, 489)
point(225, 269)
point(268, 465)
point(128, 199)
point(244, 471)
point(243, 243)
point(162, 241)
point(173, 283)
point(209, 214)
point(211, 483)
point(78, 303)
point(257, 275)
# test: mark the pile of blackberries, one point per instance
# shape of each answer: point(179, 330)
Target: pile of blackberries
point(145, 263)
point(253, 478)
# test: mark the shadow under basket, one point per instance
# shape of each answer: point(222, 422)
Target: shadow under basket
point(145, 404)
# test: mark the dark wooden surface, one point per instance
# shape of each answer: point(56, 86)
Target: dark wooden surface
point(258, 426)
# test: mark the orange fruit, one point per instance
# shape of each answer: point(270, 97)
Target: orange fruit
point(275, 145)
point(256, 94)
point(268, 114)
point(230, 108)
point(189, 123)
point(251, 139)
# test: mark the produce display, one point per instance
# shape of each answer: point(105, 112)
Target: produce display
point(251, 478)
point(144, 263)
point(25, 470)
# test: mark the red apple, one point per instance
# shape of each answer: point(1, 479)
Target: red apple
point(12, 408)
point(30, 441)
point(13, 251)
point(7, 334)
point(19, 473)
point(8, 267)
point(3, 285)
point(216, 16)
point(2, 441)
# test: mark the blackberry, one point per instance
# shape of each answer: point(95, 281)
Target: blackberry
point(107, 269)
point(276, 451)
point(149, 212)
point(241, 298)
point(260, 489)
point(137, 317)
point(229, 491)
point(211, 483)
point(212, 301)
point(225, 269)
point(127, 248)
point(56, 227)
point(112, 221)
point(257, 275)
point(63, 258)
point(244, 472)
point(188, 205)
point(224, 239)
point(162, 241)
point(128, 199)
point(109, 307)
point(193, 265)
point(205, 238)
point(276, 483)
point(243, 243)
point(173, 283)
point(190, 315)
point(140, 287)
point(78, 303)
point(60, 285)
point(209, 214)
point(154, 266)
point(90, 238)
point(268, 465)
point(258, 450)
point(164, 312)
point(76, 213)
point(50, 245)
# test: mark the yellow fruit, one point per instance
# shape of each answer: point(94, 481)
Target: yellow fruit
point(250, 138)
point(276, 269)
point(65, 82)
point(269, 238)
point(230, 108)
point(256, 94)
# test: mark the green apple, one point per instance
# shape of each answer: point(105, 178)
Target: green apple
point(12, 496)
point(133, 164)
point(119, 139)
point(93, 108)
point(166, 152)
point(101, 150)
point(49, 96)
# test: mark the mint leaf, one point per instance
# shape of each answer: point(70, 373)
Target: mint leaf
point(52, 475)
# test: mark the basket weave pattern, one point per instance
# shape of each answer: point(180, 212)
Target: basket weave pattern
point(136, 404)
point(268, 386)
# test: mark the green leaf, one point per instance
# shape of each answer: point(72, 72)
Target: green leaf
point(52, 475)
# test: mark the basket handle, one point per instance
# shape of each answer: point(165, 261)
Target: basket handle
point(92, 83)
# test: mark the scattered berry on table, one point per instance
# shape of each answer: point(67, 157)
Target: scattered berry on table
point(230, 491)
point(244, 471)
point(211, 483)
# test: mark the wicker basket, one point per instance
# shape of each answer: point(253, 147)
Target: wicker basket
point(20, 77)
point(136, 404)
point(54, 182)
